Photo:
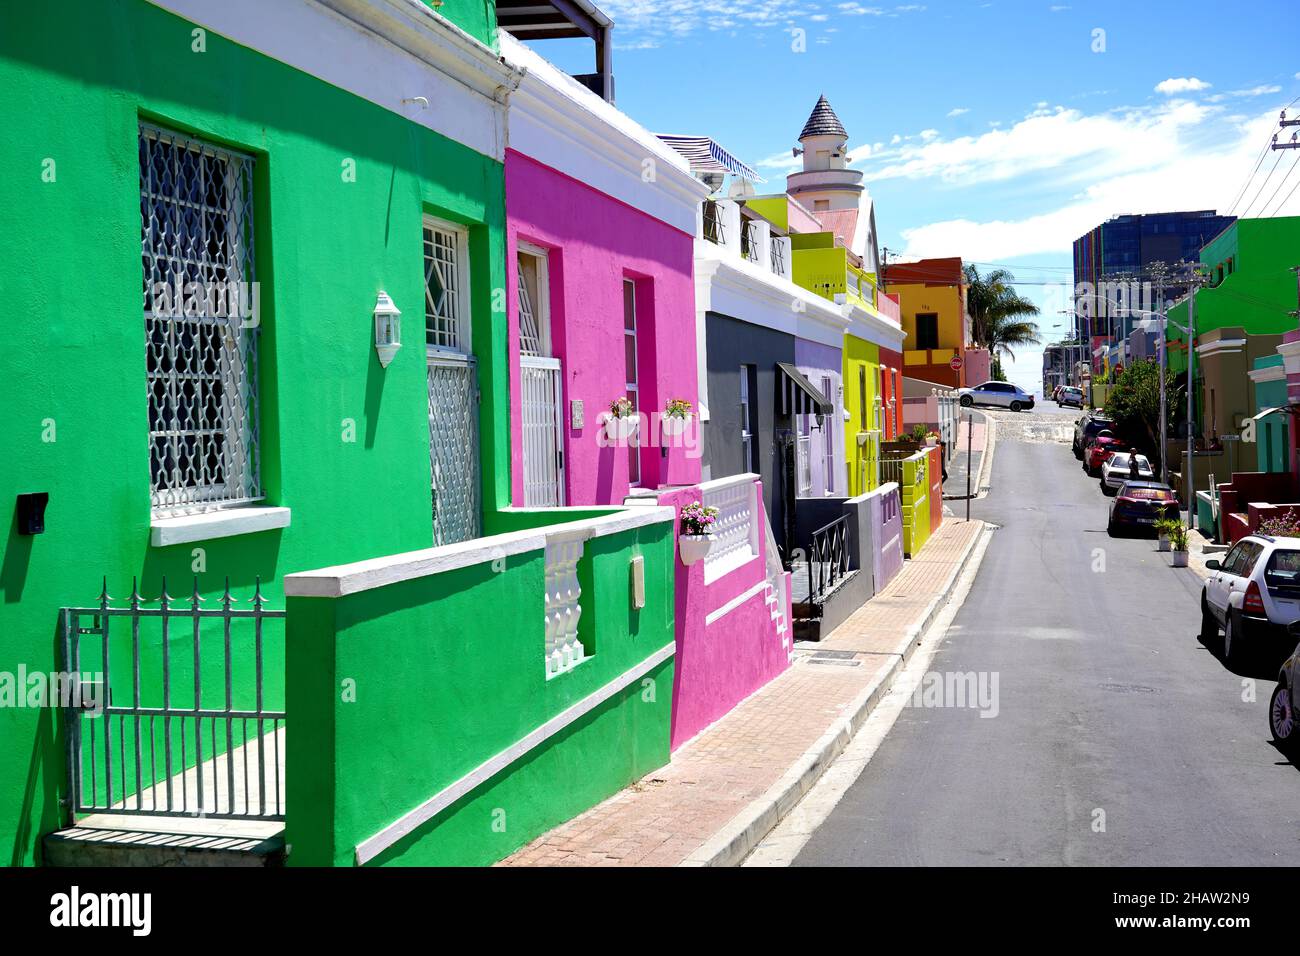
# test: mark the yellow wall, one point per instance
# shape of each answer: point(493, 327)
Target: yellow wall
point(916, 504)
point(942, 300)
point(859, 354)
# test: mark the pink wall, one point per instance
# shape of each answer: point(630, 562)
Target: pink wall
point(720, 664)
point(595, 242)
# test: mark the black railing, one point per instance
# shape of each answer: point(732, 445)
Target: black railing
point(777, 255)
point(713, 230)
point(828, 558)
point(748, 248)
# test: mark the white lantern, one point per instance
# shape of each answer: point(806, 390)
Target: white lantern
point(388, 329)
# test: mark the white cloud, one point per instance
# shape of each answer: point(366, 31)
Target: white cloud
point(1181, 84)
point(1185, 172)
point(958, 111)
point(1263, 90)
point(1058, 7)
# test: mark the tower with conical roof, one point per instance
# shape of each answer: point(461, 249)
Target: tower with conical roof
point(828, 188)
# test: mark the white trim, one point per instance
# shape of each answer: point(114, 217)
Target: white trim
point(215, 524)
point(1268, 373)
point(1220, 345)
point(558, 122)
point(367, 850)
point(729, 285)
point(868, 324)
point(464, 296)
point(737, 601)
point(345, 579)
point(719, 484)
point(384, 51)
point(1290, 352)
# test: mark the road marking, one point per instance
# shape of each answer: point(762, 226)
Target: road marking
point(784, 843)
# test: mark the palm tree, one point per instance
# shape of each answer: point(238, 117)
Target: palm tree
point(996, 311)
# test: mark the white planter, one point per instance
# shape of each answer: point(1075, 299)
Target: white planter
point(694, 546)
point(1180, 558)
point(620, 429)
point(930, 442)
point(1163, 543)
point(673, 426)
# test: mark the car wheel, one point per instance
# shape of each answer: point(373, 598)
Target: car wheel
point(1110, 529)
point(1231, 643)
point(1106, 489)
point(967, 401)
point(1209, 626)
point(1016, 406)
point(1281, 718)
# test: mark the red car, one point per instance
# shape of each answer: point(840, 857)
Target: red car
point(1101, 448)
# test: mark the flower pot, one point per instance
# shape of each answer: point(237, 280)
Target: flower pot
point(620, 429)
point(930, 442)
point(1162, 544)
point(673, 425)
point(694, 546)
point(1180, 558)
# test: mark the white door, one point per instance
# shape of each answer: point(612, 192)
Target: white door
point(541, 386)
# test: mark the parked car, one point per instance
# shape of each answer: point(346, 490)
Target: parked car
point(1115, 471)
point(1139, 504)
point(1002, 394)
point(1253, 593)
point(1281, 708)
point(1087, 427)
point(1099, 451)
point(1069, 395)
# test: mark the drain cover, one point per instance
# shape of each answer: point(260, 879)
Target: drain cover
point(1129, 688)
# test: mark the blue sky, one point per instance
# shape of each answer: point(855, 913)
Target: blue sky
point(997, 131)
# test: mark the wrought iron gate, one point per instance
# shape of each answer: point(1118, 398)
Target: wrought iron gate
point(168, 714)
point(543, 421)
point(453, 447)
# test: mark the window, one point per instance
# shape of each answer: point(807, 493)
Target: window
point(630, 363)
point(821, 205)
point(927, 330)
point(803, 453)
point(196, 229)
point(748, 458)
point(862, 398)
point(828, 437)
point(534, 304)
point(445, 287)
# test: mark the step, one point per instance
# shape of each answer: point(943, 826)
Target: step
point(115, 839)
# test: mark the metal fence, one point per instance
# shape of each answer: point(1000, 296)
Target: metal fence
point(828, 558)
point(175, 719)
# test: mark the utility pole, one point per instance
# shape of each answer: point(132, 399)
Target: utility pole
point(1190, 483)
point(1159, 269)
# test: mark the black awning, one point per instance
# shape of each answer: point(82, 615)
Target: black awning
point(800, 396)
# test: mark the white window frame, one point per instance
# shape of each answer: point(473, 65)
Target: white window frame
point(541, 301)
point(828, 435)
point(803, 454)
point(746, 436)
point(464, 298)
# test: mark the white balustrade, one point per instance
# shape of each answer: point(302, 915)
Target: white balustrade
point(563, 611)
point(735, 532)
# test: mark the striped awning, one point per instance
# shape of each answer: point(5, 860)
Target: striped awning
point(800, 396)
point(706, 156)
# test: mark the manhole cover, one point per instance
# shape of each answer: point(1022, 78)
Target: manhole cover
point(842, 655)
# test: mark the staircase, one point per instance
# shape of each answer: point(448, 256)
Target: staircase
point(114, 839)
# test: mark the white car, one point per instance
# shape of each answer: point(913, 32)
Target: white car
point(1115, 471)
point(1002, 394)
point(1253, 593)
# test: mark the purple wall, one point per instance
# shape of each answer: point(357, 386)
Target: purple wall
point(594, 242)
point(887, 526)
point(818, 361)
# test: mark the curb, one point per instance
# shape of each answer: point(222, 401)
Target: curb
point(981, 481)
point(730, 845)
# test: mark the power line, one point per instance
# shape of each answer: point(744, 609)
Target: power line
point(1280, 184)
point(1244, 186)
point(1246, 211)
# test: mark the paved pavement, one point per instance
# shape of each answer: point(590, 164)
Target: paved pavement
point(972, 434)
point(726, 787)
point(1119, 739)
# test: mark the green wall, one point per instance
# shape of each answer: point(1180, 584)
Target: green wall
point(440, 688)
point(1258, 295)
point(73, 368)
point(478, 18)
point(1272, 434)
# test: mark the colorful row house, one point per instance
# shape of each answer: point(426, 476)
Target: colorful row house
point(355, 514)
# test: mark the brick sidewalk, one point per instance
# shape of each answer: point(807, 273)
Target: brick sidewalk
point(734, 765)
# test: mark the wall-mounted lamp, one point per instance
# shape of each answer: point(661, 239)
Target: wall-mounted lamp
point(388, 329)
point(31, 512)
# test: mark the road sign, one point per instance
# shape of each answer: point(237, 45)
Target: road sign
point(955, 363)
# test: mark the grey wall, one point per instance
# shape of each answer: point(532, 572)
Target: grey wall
point(729, 343)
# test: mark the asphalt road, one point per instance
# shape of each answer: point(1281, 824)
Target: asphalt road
point(1119, 739)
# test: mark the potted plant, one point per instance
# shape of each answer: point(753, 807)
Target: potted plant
point(931, 439)
point(677, 415)
point(1178, 543)
point(695, 535)
point(917, 435)
point(1163, 528)
point(621, 422)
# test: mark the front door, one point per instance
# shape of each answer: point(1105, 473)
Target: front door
point(452, 385)
point(541, 386)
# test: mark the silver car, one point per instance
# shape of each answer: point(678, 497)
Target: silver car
point(1116, 470)
point(1001, 394)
